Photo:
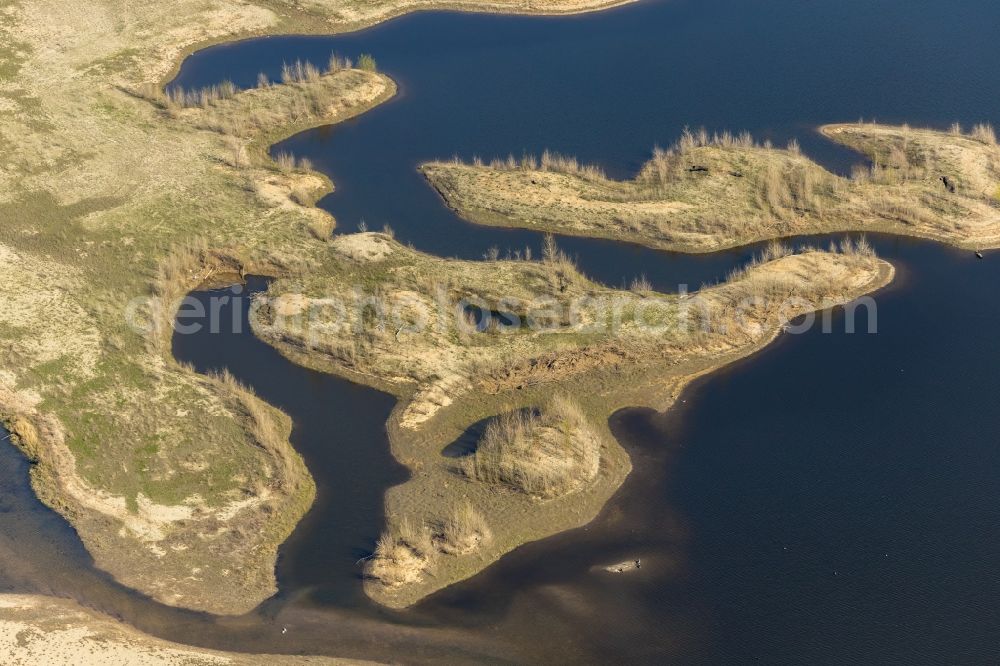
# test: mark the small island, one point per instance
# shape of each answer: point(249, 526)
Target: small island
point(710, 192)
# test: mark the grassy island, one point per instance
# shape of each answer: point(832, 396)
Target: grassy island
point(712, 192)
point(535, 341)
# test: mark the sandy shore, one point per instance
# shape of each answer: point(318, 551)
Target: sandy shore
point(56, 632)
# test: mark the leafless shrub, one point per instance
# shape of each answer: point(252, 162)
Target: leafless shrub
point(285, 161)
point(985, 133)
point(641, 285)
point(299, 72)
point(562, 268)
point(338, 63)
point(178, 98)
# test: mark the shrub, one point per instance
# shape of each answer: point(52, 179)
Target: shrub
point(367, 63)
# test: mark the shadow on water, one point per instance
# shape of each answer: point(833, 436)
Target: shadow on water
point(833, 500)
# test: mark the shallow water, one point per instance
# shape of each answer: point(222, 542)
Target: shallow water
point(832, 499)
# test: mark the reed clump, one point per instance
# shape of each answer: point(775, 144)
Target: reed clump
point(299, 72)
point(985, 133)
point(178, 271)
point(338, 63)
point(286, 162)
point(545, 454)
point(462, 531)
point(549, 161)
point(403, 555)
point(179, 98)
point(406, 553)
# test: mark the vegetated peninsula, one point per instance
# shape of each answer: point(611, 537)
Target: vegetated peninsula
point(712, 192)
point(181, 486)
point(537, 343)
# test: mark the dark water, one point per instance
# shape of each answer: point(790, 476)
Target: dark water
point(834, 499)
